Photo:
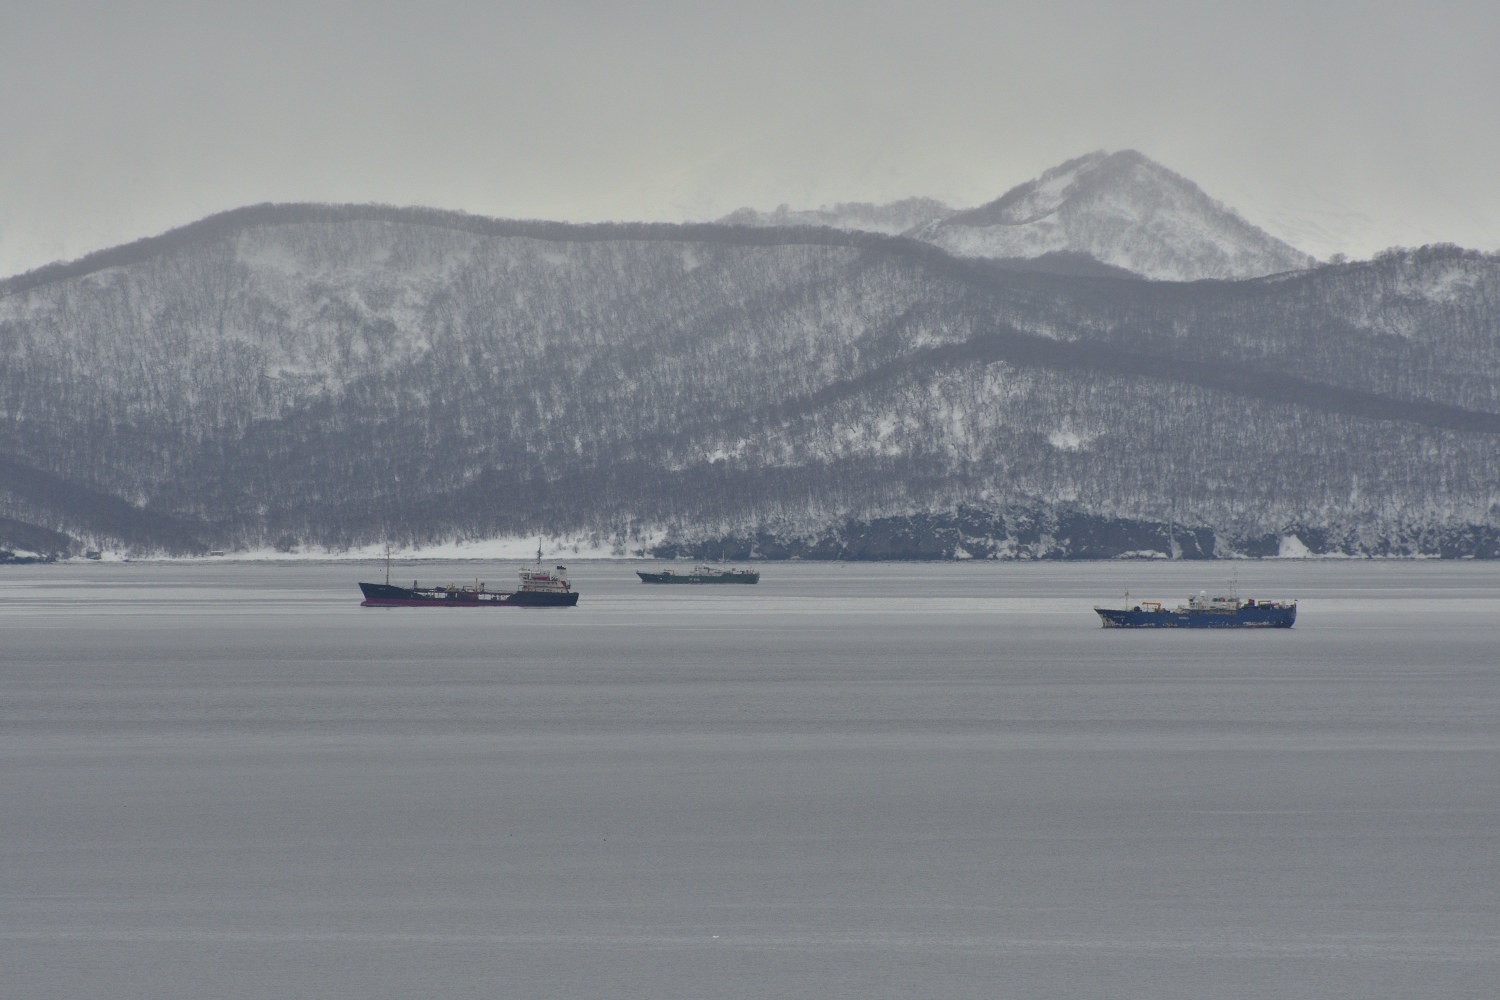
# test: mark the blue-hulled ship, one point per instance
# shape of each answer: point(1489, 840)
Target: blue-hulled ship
point(1202, 611)
point(540, 588)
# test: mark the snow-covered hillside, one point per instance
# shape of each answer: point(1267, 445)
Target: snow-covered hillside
point(340, 375)
point(1122, 209)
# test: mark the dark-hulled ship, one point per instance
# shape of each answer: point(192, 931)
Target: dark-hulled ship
point(700, 574)
point(540, 588)
point(1202, 611)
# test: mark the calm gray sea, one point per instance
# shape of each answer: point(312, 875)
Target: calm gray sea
point(864, 781)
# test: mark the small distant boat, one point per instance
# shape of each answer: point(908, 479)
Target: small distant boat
point(540, 588)
point(700, 574)
point(1202, 611)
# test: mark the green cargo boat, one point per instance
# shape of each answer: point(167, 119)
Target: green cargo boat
point(701, 574)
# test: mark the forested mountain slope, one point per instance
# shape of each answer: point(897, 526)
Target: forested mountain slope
point(339, 375)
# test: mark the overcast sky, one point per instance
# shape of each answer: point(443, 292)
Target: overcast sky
point(1339, 125)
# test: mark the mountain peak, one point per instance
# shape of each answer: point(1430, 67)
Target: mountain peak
point(1124, 209)
point(1046, 194)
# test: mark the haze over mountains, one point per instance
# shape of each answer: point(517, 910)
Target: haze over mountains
point(1017, 380)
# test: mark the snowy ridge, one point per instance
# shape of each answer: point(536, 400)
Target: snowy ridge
point(330, 379)
point(892, 219)
point(1124, 210)
point(1120, 209)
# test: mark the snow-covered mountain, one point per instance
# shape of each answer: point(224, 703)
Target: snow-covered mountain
point(1121, 210)
point(337, 376)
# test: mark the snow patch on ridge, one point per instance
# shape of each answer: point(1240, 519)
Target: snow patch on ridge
point(1292, 547)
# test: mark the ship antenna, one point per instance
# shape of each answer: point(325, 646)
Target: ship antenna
point(538, 551)
point(387, 562)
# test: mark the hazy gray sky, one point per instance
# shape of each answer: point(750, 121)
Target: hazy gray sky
point(1340, 125)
